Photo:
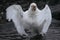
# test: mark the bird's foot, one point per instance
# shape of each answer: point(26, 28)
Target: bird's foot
point(43, 34)
point(24, 36)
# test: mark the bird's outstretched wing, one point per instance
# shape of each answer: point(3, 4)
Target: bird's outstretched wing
point(46, 10)
point(14, 13)
point(48, 18)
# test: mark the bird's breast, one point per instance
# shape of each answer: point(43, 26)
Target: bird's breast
point(31, 21)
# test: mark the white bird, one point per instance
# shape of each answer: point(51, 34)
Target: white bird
point(36, 20)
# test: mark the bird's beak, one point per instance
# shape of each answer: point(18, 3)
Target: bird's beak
point(33, 8)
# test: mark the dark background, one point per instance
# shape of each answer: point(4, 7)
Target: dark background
point(7, 29)
point(54, 5)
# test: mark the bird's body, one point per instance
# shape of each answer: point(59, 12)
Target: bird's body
point(33, 19)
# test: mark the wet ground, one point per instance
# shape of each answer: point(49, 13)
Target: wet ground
point(8, 31)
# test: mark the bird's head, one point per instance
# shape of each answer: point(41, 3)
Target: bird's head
point(33, 6)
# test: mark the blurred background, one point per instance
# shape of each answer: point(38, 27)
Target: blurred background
point(54, 6)
point(7, 29)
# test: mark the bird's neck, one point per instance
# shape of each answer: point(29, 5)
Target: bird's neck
point(32, 13)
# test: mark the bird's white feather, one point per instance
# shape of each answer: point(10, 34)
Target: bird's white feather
point(39, 20)
point(14, 13)
point(48, 17)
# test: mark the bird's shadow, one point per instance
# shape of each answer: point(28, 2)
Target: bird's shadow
point(37, 37)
